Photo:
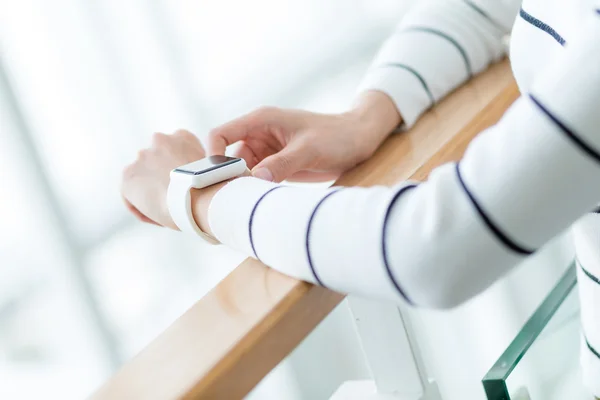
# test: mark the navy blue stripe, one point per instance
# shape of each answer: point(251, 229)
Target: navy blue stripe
point(589, 274)
point(567, 131)
point(386, 262)
point(592, 349)
point(417, 75)
point(252, 218)
point(488, 221)
point(310, 221)
point(485, 15)
point(542, 25)
point(453, 41)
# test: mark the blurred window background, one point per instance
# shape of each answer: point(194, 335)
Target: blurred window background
point(83, 85)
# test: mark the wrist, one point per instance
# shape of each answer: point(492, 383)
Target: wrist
point(376, 114)
point(201, 199)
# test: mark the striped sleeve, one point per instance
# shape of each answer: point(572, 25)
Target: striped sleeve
point(439, 243)
point(435, 48)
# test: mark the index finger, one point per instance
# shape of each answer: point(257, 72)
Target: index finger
point(237, 129)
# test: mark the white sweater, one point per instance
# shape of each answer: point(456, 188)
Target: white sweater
point(519, 184)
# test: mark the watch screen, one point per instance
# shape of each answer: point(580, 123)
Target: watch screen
point(206, 165)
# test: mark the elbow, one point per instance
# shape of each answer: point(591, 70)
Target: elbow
point(443, 299)
point(444, 285)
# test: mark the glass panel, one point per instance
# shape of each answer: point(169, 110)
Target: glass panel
point(542, 362)
point(549, 369)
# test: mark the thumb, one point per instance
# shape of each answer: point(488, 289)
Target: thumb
point(283, 164)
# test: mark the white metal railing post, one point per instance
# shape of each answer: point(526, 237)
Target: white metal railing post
point(392, 353)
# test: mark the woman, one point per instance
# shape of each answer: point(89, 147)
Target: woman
point(438, 243)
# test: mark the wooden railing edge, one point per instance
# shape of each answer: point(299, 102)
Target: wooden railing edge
point(232, 337)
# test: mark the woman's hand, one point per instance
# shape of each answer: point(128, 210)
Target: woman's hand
point(283, 144)
point(146, 181)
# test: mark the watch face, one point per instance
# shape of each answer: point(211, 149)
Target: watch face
point(206, 165)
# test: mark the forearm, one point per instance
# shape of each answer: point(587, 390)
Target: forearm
point(440, 242)
point(436, 48)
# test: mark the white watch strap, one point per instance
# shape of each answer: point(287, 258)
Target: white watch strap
point(179, 202)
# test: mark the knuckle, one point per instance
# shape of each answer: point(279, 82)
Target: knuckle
point(265, 111)
point(142, 154)
point(159, 138)
point(310, 151)
point(214, 133)
point(127, 173)
point(283, 163)
point(183, 132)
point(310, 145)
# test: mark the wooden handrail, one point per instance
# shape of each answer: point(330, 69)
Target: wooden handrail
point(232, 337)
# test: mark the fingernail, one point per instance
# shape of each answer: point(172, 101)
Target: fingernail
point(264, 174)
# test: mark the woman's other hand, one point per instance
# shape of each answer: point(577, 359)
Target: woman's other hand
point(146, 181)
point(280, 144)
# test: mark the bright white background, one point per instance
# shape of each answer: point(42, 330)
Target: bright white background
point(83, 85)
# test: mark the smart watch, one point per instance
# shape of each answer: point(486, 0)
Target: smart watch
point(197, 175)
